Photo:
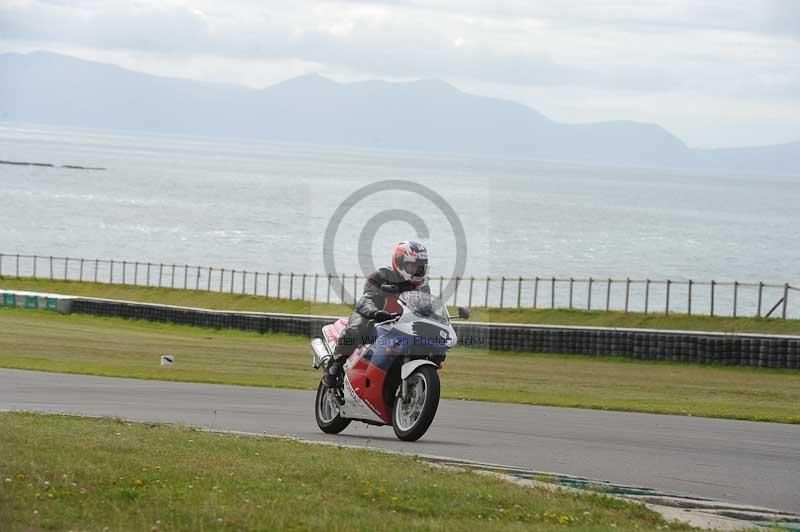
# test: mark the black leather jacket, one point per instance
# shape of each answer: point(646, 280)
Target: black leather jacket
point(374, 299)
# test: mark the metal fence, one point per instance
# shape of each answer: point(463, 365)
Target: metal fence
point(714, 298)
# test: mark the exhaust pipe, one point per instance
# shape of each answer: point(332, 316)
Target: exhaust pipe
point(321, 353)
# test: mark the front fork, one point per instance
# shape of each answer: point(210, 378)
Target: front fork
point(404, 384)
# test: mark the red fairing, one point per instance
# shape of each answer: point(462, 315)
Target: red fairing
point(392, 305)
point(367, 381)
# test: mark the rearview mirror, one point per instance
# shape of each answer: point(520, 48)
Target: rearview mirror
point(463, 313)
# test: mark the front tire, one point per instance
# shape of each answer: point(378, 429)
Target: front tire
point(326, 410)
point(411, 418)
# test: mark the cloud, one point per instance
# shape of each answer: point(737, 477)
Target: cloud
point(630, 45)
point(689, 50)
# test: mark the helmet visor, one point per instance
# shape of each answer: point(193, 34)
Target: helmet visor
point(415, 267)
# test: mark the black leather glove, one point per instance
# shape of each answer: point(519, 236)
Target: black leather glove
point(382, 315)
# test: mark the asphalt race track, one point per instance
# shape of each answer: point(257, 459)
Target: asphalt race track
point(736, 461)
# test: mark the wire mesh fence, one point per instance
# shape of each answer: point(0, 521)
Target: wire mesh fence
point(710, 298)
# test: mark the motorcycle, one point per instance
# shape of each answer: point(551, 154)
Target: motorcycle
point(393, 378)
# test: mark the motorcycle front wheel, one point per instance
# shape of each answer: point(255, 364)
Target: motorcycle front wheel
point(326, 410)
point(412, 417)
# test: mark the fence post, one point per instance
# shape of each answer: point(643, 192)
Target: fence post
point(608, 295)
point(279, 284)
point(785, 300)
point(441, 285)
point(303, 290)
point(172, 277)
point(647, 296)
point(136, 273)
point(111, 273)
point(316, 282)
point(1, 264)
point(455, 294)
point(266, 289)
point(147, 277)
point(291, 285)
point(342, 294)
point(34, 266)
point(486, 294)
point(735, 296)
point(666, 304)
point(124, 264)
point(66, 267)
point(51, 267)
point(519, 291)
point(80, 276)
point(689, 302)
point(589, 295)
point(96, 267)
point(244, 281)
point(208, 281)
point(221, 279)
point(255, 284)
point(233, 279)
point(328, 291)
point(760, 291)
point(160, 273)
point(471, 282)
point(17, 265)
point(535, 291)
point(197, 279)
point(553, 292)
point(502, 290)
point(185, 276)
point(712, 296)
point(627, 293)
point(571, 285)
point(355, 289)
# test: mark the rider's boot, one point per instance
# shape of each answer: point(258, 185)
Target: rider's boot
point(331, 376)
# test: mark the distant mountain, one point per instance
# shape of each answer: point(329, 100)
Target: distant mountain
point(780, 159)
point(427, 115)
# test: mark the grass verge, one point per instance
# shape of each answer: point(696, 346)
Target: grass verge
point(226, 301)
point(68, 473)
point(115, 347)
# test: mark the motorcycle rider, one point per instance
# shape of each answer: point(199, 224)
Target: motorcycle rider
point(409, 267)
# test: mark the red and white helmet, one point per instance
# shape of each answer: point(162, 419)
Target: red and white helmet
point(410, 261)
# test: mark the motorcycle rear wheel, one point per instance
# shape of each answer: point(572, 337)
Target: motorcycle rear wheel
point(411, 418)
point(326, 410)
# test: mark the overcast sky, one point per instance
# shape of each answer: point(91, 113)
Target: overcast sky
point(714, 72)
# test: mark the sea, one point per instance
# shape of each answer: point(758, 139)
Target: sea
point(277, 207)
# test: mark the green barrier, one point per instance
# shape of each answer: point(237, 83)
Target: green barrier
point(41, 302)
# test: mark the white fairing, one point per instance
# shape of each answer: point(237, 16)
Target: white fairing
point(409, 367)
point(354, 407)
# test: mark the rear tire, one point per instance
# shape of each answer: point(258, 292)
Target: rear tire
point(409, 420)
point(326, 410)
